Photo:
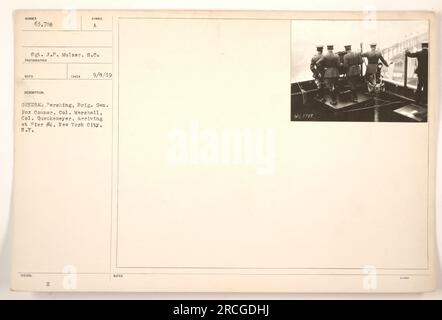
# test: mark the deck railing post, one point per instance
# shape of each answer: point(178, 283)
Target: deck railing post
point(405, 70)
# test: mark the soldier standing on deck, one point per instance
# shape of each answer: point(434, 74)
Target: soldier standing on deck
point(352, 62)
point(318, 72)
point(330, 62)
point(373, 56)
point(421, 71)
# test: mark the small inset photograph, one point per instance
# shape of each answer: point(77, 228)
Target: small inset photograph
point(371, 71)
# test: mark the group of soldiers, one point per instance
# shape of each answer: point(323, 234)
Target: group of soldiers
point(325, 68)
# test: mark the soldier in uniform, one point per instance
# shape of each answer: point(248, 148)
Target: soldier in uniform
point(352, 62)
point(318, 72)
point(330, 62)
point(421, 70)
point(373, 56)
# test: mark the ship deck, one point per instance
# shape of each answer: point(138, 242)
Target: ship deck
point(393, 105)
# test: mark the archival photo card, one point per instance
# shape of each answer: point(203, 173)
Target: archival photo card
point(153, 151)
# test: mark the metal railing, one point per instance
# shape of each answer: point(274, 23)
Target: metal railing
point(396, 53)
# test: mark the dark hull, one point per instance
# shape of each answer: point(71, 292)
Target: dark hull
point(395, 104)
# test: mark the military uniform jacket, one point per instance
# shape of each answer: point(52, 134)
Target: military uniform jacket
point(352, 61)
point(422, 62)
point(330, 62)
point(314, 65)
point(373, 58)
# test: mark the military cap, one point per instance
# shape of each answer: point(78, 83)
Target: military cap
point(373, 44)
point(329, 47)
point(425, 44)
point(347, 47)
point(319, 46)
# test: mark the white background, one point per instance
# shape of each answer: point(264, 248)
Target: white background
point(6, 124)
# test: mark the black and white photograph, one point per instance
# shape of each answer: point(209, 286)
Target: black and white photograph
point(367, 71)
